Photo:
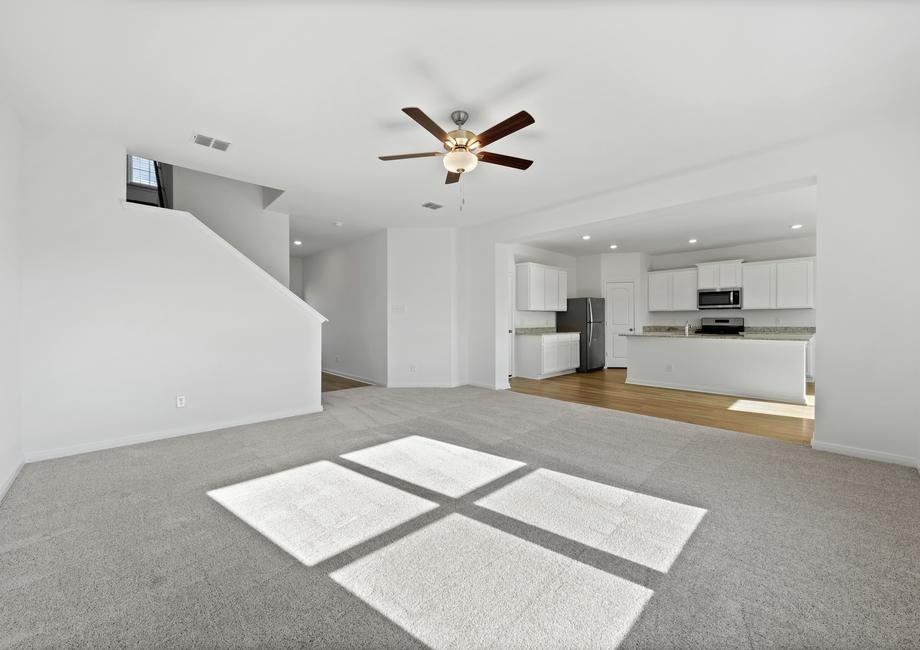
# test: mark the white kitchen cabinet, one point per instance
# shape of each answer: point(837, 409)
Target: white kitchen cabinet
point(562, 297)
point(758, 286)
point(795, 284)
point(707, 276)
point(672, 290)
point(719, 275)
point(540, 288)
point(546, 355)
point(783, 284)
point(551, 289)
point(730, 274)
point(660, 285)
point(683, 290)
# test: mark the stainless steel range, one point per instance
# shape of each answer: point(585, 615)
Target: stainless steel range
point(721, 326)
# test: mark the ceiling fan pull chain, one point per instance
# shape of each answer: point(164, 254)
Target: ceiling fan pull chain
point(462, 200)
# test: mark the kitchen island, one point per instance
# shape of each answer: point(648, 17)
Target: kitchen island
point(768, 366)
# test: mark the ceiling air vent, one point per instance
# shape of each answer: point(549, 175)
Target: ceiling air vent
point(432, 206)
point(213, 143)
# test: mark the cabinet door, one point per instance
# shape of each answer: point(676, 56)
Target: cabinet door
point(573, 351)
point(795, 284)
point(659, 291)
point(684, 290)
point(562, 352)
point(758, 286)
point(729, 275)
point(550, 347)
point(563, 297)
point(707, 276)
point(537, 287)
point(550, 288)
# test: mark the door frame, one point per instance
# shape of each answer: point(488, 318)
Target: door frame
point(608, 316)
point(512, 306)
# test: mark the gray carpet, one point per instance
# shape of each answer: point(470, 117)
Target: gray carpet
point(774, 545)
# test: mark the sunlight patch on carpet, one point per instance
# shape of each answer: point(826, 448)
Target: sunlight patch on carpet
point(319, 510)
point(631, 525)
point(435, 465)
point(461, 583)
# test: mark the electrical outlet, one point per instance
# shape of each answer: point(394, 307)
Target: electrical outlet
point(336, 358)
point(669, 367)
point(412, 367)
point(180, 401)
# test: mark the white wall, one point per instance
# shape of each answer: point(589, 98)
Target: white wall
point(524, 253)
point(773, 250)
point(867, 215)
point(590, 276)
point(126, 306)
point(868, 232)
point(10, 298)
point(233, 209)
point(421, 307)
point(348, 285)
point(296, 283)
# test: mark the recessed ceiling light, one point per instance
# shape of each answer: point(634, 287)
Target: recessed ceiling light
point(337, 224)
point(796, 226)
point(297, 242)
point(613, 245)
point(691, 241)
point(586, 237)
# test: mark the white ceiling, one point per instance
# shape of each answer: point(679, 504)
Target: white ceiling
point(309, 93)
point(715, 224)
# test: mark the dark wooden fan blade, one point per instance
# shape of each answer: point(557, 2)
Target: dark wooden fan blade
point(507, 161)
point(514, 123)
point(452, 178)
point(403, 156)
point(426, 122)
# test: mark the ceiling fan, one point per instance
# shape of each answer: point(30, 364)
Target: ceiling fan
point(464, 148)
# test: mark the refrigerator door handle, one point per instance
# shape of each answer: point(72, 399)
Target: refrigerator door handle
point(590, 311)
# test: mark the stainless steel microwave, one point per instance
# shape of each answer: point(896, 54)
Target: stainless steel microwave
point(718, 299)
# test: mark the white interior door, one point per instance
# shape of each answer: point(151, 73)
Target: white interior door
point(621, 319)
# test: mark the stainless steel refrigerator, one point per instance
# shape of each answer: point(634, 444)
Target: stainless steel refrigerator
point(585, 316)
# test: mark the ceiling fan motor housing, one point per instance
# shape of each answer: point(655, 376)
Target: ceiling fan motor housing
point(460, 138)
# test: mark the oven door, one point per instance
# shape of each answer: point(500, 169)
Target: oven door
point(727, 299)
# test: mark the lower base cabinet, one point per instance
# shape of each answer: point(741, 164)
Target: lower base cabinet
point(539, 356)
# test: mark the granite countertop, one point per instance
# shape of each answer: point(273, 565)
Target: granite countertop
point(534, 331)
point(749, 336)
point(539, 331)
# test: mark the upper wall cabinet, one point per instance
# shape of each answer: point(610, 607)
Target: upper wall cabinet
point(783, 284)
point(541, 288)
point(719, 275)
point(795, 284)
point(672, 290)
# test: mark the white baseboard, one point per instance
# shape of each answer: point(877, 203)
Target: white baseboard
point(345, 375)
point(478, 384)
point(868, 454)
point(72, 450)
point(713, 391)
point(8, 483)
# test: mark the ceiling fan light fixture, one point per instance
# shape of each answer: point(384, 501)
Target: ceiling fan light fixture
point(460, 161)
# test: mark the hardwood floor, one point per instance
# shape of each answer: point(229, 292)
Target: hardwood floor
point(334, 382)
point(608, 389)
